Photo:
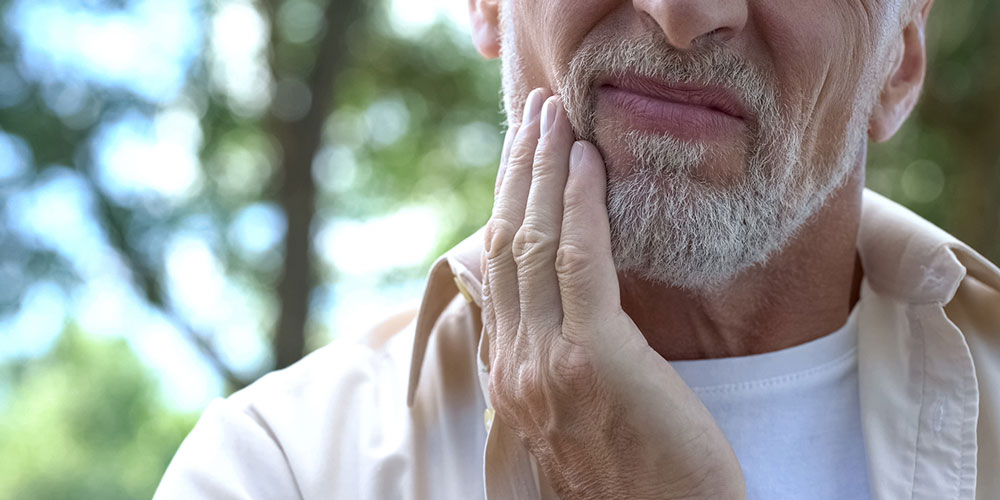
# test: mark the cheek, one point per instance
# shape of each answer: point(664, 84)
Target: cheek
point(548, 32)
point(802, 46)
point(819, 55)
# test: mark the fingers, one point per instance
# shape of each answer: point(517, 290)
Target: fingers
point(489, 312)
point(588, 281)
point(508, 214)
point(537, 240)
point(548, 262)
point(508, 141)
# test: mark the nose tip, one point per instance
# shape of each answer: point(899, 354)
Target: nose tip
point(687, 23)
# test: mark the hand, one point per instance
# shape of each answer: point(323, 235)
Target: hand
point(604, 415)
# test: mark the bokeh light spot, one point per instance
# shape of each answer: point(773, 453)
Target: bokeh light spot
point(300, 21)
point(922, 181)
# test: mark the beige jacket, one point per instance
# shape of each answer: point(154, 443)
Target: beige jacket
point(337, 424)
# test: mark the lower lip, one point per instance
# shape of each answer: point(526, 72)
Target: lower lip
point(681, 120)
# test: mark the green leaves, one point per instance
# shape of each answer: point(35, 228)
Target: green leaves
point(85, 422)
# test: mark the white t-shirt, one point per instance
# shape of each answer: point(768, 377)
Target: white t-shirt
point(792, 416)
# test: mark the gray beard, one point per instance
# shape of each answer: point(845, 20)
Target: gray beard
point(669, 227)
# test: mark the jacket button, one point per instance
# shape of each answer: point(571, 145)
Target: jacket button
point(488, 418)
point(463, 290)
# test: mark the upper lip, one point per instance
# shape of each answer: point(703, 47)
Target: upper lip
point(710, 96)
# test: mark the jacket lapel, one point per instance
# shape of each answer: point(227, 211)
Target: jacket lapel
point(918, 389)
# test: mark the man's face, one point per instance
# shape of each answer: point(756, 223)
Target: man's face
point(724, 124)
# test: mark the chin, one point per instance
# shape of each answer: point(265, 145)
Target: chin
point(719, 162)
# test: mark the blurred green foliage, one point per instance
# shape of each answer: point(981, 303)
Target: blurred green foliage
point(85, 422)
point(945, 161)
point(417, 121)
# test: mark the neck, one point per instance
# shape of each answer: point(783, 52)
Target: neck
point(803, 292)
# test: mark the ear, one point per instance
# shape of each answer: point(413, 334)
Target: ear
point(486, 29)
point(905, 79)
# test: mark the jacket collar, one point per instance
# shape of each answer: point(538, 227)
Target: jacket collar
point(908, 258)
point(457, 271)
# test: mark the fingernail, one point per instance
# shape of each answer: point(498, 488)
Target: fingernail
point(548, 115)
point(533, 106)
point(576, 155)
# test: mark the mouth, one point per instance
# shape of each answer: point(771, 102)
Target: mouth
point(689, 111)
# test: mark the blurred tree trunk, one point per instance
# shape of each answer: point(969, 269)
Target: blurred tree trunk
point(299, 140)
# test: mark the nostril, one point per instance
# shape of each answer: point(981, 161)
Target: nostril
point(715, 32)
point(718, 35)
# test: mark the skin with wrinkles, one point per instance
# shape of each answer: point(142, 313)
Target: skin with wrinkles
point(580, 343)
point(562, 382)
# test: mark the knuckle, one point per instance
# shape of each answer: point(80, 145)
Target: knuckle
point(572, 260)
point(499, 236)
point(531, 388)
point(572, 369)
point(531, 243)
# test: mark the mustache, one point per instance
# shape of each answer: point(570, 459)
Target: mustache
point(649, 55)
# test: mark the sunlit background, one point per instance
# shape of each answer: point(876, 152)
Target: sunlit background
point(196, 192)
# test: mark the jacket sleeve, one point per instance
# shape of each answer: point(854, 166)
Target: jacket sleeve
point(230, 455)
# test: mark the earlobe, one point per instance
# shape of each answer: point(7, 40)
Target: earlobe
point(905, 80)
point(484, 16)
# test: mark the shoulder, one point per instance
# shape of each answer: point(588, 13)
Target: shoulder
point(285, 435)
point(345, 366)
point(337, 423)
